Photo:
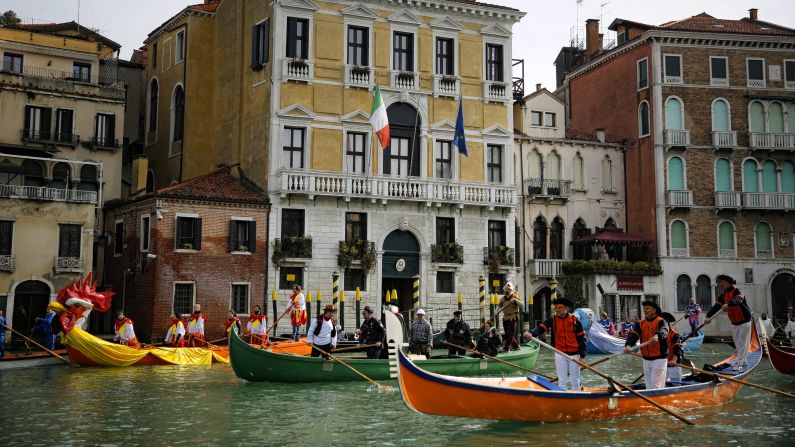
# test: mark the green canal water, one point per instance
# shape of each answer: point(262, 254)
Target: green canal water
point(154, 406)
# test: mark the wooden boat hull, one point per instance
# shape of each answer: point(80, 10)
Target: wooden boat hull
point(257, 364)
point(20, 361)
point(782, 361)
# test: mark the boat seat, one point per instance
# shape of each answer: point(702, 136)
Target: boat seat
point(545, 383)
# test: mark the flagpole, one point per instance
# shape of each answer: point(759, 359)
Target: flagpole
point(413, 137)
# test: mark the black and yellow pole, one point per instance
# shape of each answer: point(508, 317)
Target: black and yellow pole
point(273, 298)
point(415, 293)
point(308, 308)
point(319, 299)
point(553, 287)
point(342, 309)
point(460, 300)
point(335, 287)
point(491, 305)
point(482, 298)
point(358, 308)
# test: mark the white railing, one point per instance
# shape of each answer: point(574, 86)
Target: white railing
point(673, 80)
point(757, 83)
point(546, 267)
point(764, 254)
point(769, 200)
point(727, 253)
point(404, 80)
point(680, 198)
point(69, 264)
point(496, 91)
point(768, 140)
point(548, 187)
point(677, 137)
point(385, 187)
point(358, 76)
point(719, 82)
point(7, 263)
point(45, 193)
point(724, 138)
point(727, 199)
point(680, 252)
point(298, 69)
point(446, 85)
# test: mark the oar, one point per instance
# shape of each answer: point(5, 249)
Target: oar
point(498, 359)
point(37, 344)
point(263, 340)
point(612, 356)
point(499, 311)
point(692, 333)
point(354, 348)
point(278, 319)
point(336, 359)
point(732, 379)
point(610, 379)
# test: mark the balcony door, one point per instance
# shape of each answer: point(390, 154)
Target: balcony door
point(402, 156)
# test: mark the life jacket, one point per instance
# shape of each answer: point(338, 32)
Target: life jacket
point(738, 313)
point(564, 336)
point(672, 335)
point(319, 325)
point(647, 330)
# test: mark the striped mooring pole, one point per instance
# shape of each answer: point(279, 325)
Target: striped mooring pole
point(342, 309)
point(335, 288)
point(308, 308)
point(415, 294)
point(319, 299)
point(358, 308)
point(482, 298)
point(553, 286)
point(273, 298)
point(460, 300)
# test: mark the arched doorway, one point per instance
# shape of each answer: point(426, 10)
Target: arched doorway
point(401, 261)
point(402, 157)
point(782, 293)
point(542, 305)
point(30, 301)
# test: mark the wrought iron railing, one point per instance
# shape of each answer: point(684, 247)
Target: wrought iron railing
point(69, 264)
point(7, 263)
point(47, 73)
point(548, 187)
point(105, 143)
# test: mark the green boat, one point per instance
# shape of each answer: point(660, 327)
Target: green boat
point(256, 364)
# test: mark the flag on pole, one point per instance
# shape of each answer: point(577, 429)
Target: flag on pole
point(379, 120)
point(459, 140)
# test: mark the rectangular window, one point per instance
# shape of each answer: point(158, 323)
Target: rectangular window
point(358, 47)
point(179, 51)
point(355, 152)
point(144, 233)
point(718, 71)
point(69, 240)
point(536, 118)
point(154, 55)
point(183, 298)
point(444, 282)
point(105, 130)
point(293, 147)
point(6, 237)
point(64, 122)
point(355, 227)
point(81, 72)
point(789, 76)
point(496, 234)
point(118, 239)
point(445, 230)
point(673, 68)
point(297, 38)
point(355, 278)
point(643, 74)
point(260, 41)
point(444, 56)
point(240, 298)
point(189, 233)
point(549, 119)
point(12, 63)
point(403, 52)
point(38, 122)
point(292, 223)
point(289, 276)
point(494, 163)
point(756, 72)
point(242, 235)
point(494, 68)
point(444, 160)
point(399, 155)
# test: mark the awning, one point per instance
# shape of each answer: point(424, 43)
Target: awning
point(612, 237)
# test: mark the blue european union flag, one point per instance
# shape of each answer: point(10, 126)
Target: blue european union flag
point(459, 140)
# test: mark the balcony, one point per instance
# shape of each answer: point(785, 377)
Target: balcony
point(724, 139)
point(359, 76)
point(727, 253)
point(764, 254)
point(404, 80)
point(677, 137)
point(496, 91)
point(65, 264)
point(546, 268)
point(48, 194)
point(297, 69)
point(765, 140)
point(7, 263)
point(360, 253)
point(673, 80)
point(104, 143)
point(446, 85)
point(680, 252)
point(498, 257)
point(385, 188)
point(448, 253)
point(757, 83)
point(680, 199)
point(64, 81)
point(47, 137)
point(769, 200)
point(548, 189)
point(727, 199)
point(789, 84)
point(293, 247)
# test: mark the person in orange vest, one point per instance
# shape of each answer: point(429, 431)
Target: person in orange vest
point(175, 335)
point(654, 329)
point(125, 334)
point(675, 349)
point(568, 336)
point(196, 326)
point(733, 302)
point(256, 326)
point(232, 324)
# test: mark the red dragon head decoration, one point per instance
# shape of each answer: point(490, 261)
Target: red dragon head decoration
point(75, 302)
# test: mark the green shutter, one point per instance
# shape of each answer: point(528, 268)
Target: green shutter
point(675, 174)
point(750, 179)
point(788, 176)
point(757, 117)
point(723, 172)
point(673, 114)
point(791, 115)
point(678, 235)
point(726, 236)
point(720, 116)
point(775, 118)
point(762, 237)
point(769, 183)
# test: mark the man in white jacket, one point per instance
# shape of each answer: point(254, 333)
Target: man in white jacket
point(322, 333)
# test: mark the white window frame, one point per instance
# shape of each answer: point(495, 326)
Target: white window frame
point(772, 240)
point(605, 189)
point(681, 112)
point(180, 53)
point(307, 134)
point(241, 219)
point(174, 292)
point(437, 33)
point(104, 124)
point(670, 238)
point(721, 82)
point(734, 236)
point(356, 127)
point(681, 79)
point(437, 151)
point(176, 229)
point(232, 293)
point(684, 172)
point(748, 74)
point(637, 74)
point(640, 120)
point(503, 164)
point(55, 123)
point(731, 174)
point(406, 29)
point(540, 122)
point(789, 85)
point(141, 234)
point(361, 23)
point(506, 53)
point(728, 111)
point(299, 14)
point(117, 243)
point(584, 185)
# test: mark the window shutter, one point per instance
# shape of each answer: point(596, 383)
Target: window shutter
point(28, 111)
point(366, 49)
point(232, 236)
point(410, 55)
point(96, 127)
point(110, 129)
point(291, 37)
point(46, 122)
point(252, 236)
point(266, 41)
point(255, 49)
point(305, 40)
point(197, 234)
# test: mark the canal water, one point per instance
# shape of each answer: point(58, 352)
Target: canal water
point(178, 405)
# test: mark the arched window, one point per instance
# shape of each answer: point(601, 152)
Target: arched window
point(578, 171)
point(556, 239)
point(534, 172)
point(34, 173)
point(674, 114)
point(726, 247)
point(721, 121)
point(676, 174)
point(150, 181)
point(153, 98)
point(643, 119)
point(750, 176)
point(607, 174)
point(610, 223)
point(679, 239)
point(704, 292)
point(684, 291)
point(552, 171)
point(775, 118)
point(763, 238)
point(178, 114)
point(60, 176)
point(540, 238)
point(788, 175)
point(769, 180)
point(579, 230)
point(757, 116)
point(723, 175)
point(88, 178)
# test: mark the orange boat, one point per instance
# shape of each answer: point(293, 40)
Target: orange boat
point(534, 399)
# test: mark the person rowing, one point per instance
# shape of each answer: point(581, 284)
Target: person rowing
point(675, 349)
point(652, 328)
point(733, 301)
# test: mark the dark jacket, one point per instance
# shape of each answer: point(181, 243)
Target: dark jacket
point(739, 312)
point(372, 332)
point(458, 333)
point(489, 343)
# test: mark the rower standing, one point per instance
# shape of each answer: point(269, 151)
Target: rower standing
point(511, 306)
point(457, 333)
point(733, 301)
point(298, 314)
point(371, 333)
point(232, 324)
point(3, 327)
point(196, 326)
point(651, 328)
point(256, 326)
point(420, 335)
point(322, 333)
point(175, 335)
point(44, 325)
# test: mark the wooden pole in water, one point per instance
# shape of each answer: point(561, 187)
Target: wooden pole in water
point(482, 298)
point(308, 308)
point(275, 311)
point(358, 308)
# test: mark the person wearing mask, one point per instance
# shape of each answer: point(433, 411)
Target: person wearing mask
point(733, 302)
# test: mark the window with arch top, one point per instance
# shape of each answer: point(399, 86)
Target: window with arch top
point(676, 174)
point(679, 239)
point(764, 240)
point(684, 291)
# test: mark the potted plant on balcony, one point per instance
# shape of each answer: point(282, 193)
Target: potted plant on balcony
point(405, 76)
point(360, 250)
point(360, 70)
point(187, 246)
point(298, 62)
point(449, 78)
point(451, 252)
point(499, 256)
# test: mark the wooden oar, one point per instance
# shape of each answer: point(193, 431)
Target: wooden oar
point(610, 379)
point(612, 356)
point(692, 333)
point(498, 359)
point(361, 374)
point(278, 319)
point(732, 379)
point(37, 344)
point(499, 311)
point(263, 340)
point(355, 348)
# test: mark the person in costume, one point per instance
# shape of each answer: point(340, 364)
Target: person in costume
point(43, 326)
point(511, 306)
point(675, 349)
point(3, 326)
point(257, 325)
point(606, 323)
point(125, 333)
point(232, 324)
point(196, 326)
point(322, 334)
point(298, 314)
point(568, 336)
point(175, 335)
point(692, 311)
point(371, 333)
point(789, 329)
point(489, 342)
point(457, 332)
point(733, 302)
point(420, 335)
point(654, 329)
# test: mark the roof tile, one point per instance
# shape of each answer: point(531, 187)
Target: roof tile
point(217, 185)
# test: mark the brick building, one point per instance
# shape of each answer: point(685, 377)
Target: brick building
point(200, 241)
point(707, 109)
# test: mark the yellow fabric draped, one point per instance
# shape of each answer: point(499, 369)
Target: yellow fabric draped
point(111, 354)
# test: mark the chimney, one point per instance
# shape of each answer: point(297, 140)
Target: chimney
point(593, 43)
point(600, 135)
point(753, 14)
point(538, 87)
point(140, 166)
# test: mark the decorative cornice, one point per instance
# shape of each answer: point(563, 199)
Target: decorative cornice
point(174, 21)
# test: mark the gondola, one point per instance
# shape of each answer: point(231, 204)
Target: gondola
point(33, 360)
point(782, 359)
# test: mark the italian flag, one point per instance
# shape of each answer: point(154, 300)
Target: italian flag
point(379, 119)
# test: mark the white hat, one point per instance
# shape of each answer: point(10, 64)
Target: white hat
point(508, 286)
point(421, 312)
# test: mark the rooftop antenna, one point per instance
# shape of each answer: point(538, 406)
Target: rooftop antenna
point(577, 24)
point(78, 16)
point(601, 14)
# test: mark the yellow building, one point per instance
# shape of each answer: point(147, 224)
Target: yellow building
point(285, 89)
point(61, 119)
